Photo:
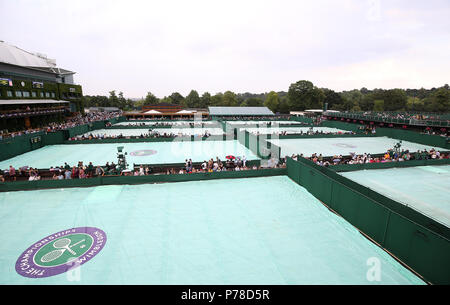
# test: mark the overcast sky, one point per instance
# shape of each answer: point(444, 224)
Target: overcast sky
point(242, 46)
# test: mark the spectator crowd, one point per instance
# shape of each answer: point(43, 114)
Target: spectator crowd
point(69, 123)
point(389, 156)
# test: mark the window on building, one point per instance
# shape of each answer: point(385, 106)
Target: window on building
point(41, 94)
point(9, 93)
point(33, 93)
point(26, 94)
point(47, 94)
point(18, 93)
point(53, 94)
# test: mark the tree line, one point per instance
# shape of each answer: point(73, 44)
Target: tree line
point(300, 96)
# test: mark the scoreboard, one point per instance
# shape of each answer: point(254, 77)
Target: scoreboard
point(38, 85)
point(6, 82)
point(35, 139)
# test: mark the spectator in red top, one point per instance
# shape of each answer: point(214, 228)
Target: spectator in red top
point(12, 173)
point(74, 172)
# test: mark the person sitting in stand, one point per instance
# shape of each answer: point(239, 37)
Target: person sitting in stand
point(99, 171)
point(12, 173)
point(74, 172)
point(90, 170)
point(81, 173)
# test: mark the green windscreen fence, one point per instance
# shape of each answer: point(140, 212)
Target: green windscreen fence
point(407, 135)
point(302, 119)
point(415, 239)
point(342, 125)
point(111, 180)
point(411, 163)
point(422, 188)
point(11, 147)
point(259, 145)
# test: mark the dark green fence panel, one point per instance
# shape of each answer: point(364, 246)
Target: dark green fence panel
point(12, 147)
point(419, 248)
point(342, 125)
point(415, 239)
point(109, 180)
point(411, 136)
point(54, 138)
point(356, 167)
point(302, 119)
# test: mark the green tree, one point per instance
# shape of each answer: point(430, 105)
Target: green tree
point(99, 101)
point(304, 95)
point(192, 100)
point(151, 99)
point(166, 100)
point(122, 101)
point(284, 105)
point(113, 99)
point(394, 99)
point(272, 101)
point(333, 99)
point(378, 105)
point(439, 101)
point(367, 102)
point(217, 99)
point(176, 98)
point(415, 104)
point(252, 102)
point(351, 99)
point(205, 100)
point(229, 99)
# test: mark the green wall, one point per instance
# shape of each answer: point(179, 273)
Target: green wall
point(418, 241)
point(11, 147)
point(343, 125)
point(407, 135)
point(356, 167)
point(110, 180)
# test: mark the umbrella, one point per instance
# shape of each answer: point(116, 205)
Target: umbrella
point(230, 157)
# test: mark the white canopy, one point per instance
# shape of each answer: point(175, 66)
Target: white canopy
point(184, 112)
point(153, 112)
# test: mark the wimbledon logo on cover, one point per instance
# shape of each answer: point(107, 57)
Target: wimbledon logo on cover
point(60, 252)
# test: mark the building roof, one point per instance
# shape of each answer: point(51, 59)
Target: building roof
point(15, 56)
point(226, 111)
point(30, 101)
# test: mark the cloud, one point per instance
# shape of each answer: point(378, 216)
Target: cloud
point(256, 46)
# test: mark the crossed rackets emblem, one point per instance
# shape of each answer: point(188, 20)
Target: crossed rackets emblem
point(62, 245)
